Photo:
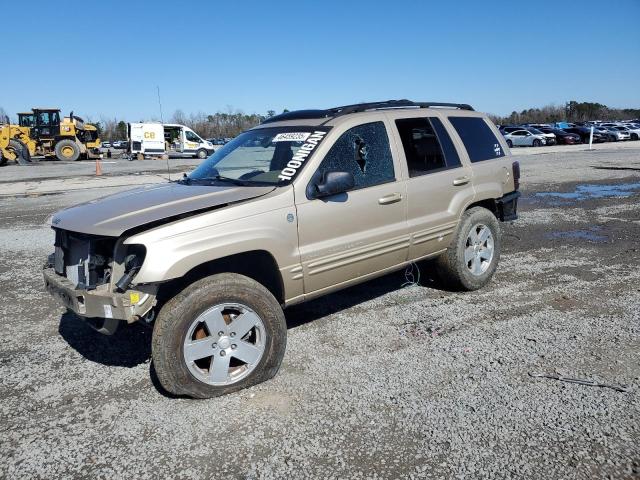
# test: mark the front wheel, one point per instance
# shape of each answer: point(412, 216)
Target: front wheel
point(201, 154)
point(510, 143)
point(67, 150)
point(472, 258)
point(221, 334)
point(19, 152)
point(537, 143)
point(634, 136)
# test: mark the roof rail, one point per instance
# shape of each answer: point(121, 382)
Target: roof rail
point(362, 107)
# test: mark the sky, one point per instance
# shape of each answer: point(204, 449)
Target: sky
point(106, 59)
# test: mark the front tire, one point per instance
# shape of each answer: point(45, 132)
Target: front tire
point(67, 150)
point(474, 253)
point(634, 136)
point(510, 143)
point(537, 143)
point(19, 151)
point(219, 335)
point(201, 154)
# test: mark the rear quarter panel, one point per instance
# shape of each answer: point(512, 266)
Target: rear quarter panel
point(491, 178)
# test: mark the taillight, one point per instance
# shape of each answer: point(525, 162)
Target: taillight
point(516, 175)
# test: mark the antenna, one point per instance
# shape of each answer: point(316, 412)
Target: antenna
point(162, 122)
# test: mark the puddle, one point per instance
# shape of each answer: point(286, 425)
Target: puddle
point(590, 235)
point(590, 191)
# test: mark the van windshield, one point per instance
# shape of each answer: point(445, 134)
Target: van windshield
point(271, 156)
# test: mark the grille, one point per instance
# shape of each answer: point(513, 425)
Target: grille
point(83, 259)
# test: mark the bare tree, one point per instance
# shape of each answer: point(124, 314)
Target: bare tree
point(4, 116)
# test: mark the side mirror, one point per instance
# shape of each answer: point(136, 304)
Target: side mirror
point(333, 183)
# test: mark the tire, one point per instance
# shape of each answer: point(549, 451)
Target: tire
point(510, 143)
point(201, 154)
point(536, 143)
point(180, 324)
point(67, 150)
point(453, 270)
point(3, 159)
point(20, 151)
point(634, 136)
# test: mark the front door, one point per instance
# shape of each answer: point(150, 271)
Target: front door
point(351, 235)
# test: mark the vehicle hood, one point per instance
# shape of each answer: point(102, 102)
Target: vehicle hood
point(113, 215)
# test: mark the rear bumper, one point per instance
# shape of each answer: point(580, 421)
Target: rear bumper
point(508, 206)
point(114, 307)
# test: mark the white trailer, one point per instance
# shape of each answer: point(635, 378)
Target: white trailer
point(158, 139)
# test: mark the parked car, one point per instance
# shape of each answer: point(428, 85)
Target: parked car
point(549, 137)
point(585, 133)
point(614, 134)
point(213, 259)
point(524, 138)
point(608, 132)
point(634, 130)
point(623, 132)
point(119, 144)
point(562, 137)
point(105, 144)
point(504, 129)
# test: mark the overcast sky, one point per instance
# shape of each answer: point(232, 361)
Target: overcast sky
point(106, 58)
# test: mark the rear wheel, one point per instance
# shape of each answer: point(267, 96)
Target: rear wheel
point(221, 334)
point(67, 150)
point(3, 159)
point(472, 258)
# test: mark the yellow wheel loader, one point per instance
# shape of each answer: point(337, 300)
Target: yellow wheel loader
point(45, 133)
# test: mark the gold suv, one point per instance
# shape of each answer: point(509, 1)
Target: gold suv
point(304, 204)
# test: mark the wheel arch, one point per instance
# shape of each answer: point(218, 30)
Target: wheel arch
point(259, 265)
point(488, 203)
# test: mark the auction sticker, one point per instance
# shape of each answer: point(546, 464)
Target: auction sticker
point(291, 137)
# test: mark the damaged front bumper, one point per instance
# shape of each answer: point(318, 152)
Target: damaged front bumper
point(113, 307)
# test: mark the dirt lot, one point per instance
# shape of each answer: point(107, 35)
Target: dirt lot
point(381, 380)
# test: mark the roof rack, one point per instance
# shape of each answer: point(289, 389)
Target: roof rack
point(362, 107)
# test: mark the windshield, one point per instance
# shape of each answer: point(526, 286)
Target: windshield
point(271, 156)
point(535, 131)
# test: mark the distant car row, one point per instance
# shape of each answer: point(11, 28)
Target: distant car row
point(116, 144)
point(537, 135)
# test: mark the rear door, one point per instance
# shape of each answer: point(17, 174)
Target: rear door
point(348, 236)
point(439, 184)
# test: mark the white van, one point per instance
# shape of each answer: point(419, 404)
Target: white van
point(157, 139)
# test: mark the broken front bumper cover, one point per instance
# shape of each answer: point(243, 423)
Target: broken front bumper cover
point(129, 306)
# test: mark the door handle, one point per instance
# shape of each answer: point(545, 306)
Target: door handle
point(461, 181)
point(391, 198)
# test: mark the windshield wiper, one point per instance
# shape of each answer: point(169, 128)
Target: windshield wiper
point(186, 180)
point(235, 181)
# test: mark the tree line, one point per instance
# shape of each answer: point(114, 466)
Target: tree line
point(217, 125)
point(569, 112)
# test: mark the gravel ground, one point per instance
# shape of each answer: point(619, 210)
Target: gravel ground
point(380, 380)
